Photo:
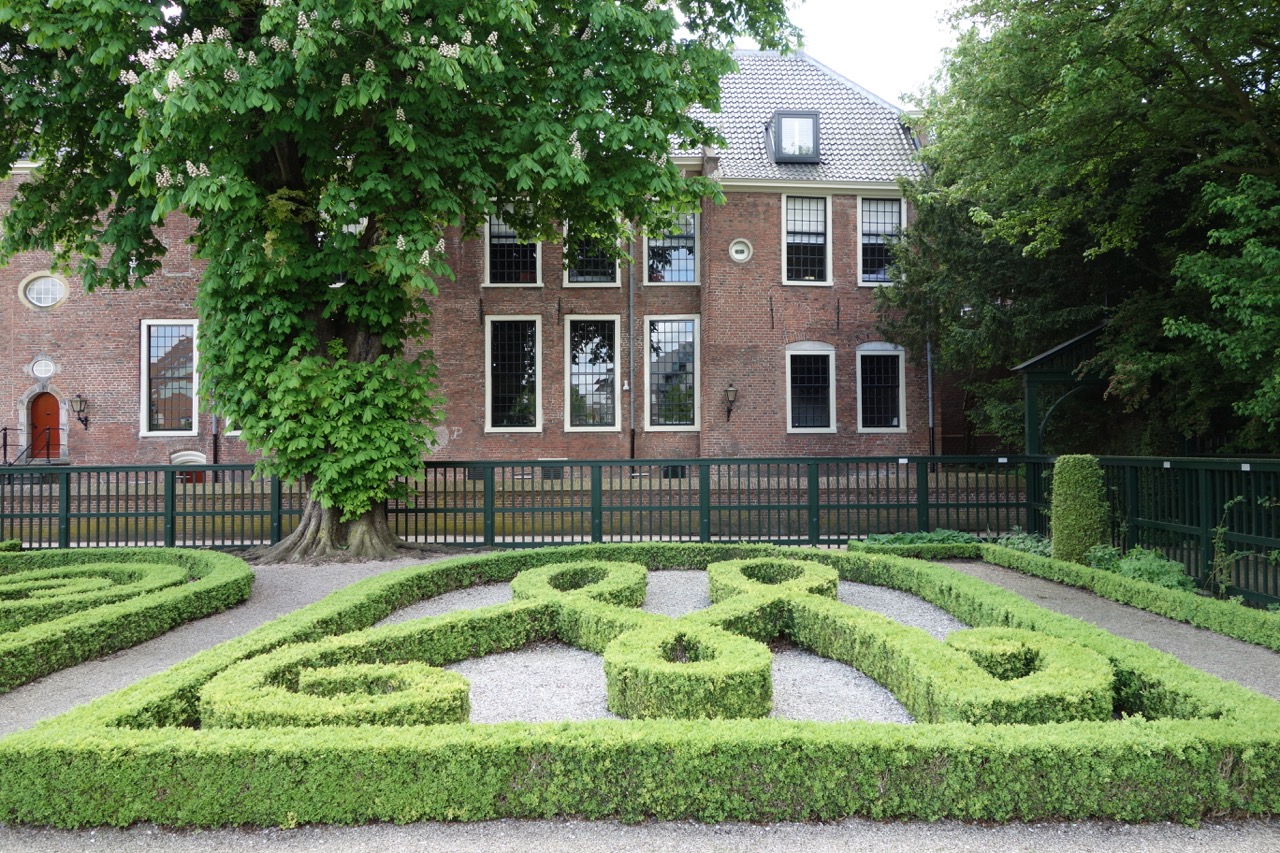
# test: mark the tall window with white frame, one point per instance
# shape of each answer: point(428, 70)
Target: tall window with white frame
point(509, 260)
point(673, 257)
point(513, 375)
point(810, 390)
point(590, 263)
point(672, 372)
point(169, 399)
point(806, 227)
point(591, 388)
point(880, 388)
point(881, 221)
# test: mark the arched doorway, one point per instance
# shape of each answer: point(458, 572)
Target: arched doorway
point(45, 423)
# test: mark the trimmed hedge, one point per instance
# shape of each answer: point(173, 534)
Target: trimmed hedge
point(61, 608)
point(1184, 745)
point(1260, 627)
point(1079, 509)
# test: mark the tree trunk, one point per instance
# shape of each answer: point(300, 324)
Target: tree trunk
point(321, 537)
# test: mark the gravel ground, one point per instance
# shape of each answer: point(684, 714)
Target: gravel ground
point(565, 683)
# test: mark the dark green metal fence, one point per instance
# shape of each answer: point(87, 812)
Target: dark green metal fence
point(1179, 506)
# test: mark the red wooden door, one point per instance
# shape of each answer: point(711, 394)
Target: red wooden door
point(46, 426)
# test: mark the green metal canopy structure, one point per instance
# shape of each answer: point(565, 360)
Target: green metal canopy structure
point(1052, 377)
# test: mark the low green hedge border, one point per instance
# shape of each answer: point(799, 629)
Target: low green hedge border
point(61, 608)
point(1260, 627)
point(1184, 745)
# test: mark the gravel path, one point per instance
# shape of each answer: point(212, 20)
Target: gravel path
point(807, 688)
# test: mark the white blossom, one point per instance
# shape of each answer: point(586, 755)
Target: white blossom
point(163, 178)
point(466, 37)
point(278, 44)
point(302, 21)
point(651, 6)
point(648, 108)
point(172, 80)
point(251, 60)
point(346, 79)
point(404, 18)
point(586, 33)
point(577, 146)
point(424, 258)
point(400, 244)
point(588, 73)
point(128, 78)
point(336, 25)
point(399, 113)
point(369, 65)
point(231, 75)
point(492, 40)
point(452, 51)
point(219, 34)
point(440, 246)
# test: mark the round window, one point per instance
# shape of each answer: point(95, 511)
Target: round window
point(42, 368)
point(44, 291)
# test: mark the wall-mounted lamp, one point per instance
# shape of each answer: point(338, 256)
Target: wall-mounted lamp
point(79, 406)
point(730, 397)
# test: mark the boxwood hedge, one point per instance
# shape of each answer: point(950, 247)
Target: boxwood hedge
point(1118, 731)
point(60, 608)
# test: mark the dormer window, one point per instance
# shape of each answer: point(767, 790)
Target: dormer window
point(795, 136)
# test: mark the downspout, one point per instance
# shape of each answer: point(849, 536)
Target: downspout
point(928, 362)
point(631, 350)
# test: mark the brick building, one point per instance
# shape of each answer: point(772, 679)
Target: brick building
point(750, 332)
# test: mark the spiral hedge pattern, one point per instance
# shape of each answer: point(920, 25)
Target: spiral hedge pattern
point(320, 717)
point(60, 608)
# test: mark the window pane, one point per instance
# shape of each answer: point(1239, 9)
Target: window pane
point(797, 135)
point(592, 264)
point(591, 373)
point(879, 395)
point(510, 261)
point(806, 239)
point(45, 291)
point(672, 384)
point(672, 257)
point(810, 391)
point(881, 220)
point(170, 377)
point(513, 373)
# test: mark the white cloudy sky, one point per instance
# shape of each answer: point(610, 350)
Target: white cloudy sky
point(889, 48)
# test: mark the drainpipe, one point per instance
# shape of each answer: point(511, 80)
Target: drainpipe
point(928, 361)
point(631, 350)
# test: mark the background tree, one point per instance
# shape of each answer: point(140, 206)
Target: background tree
point(1081, 154)
point(326, 143)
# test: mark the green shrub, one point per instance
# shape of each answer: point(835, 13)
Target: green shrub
point(1141, 564)
point(1185, 745)
point(1079, 507)
point(1026, 542)
point(10, 545)
point(932, 537)
point(68, 606)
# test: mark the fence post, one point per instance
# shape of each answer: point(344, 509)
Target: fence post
point(1130, 506)
point(922, 495)
point(704, 502)
point(170, 507)
point(64, 509)
point(815, 525)
point(276, 508)
point(1208, 517)
point(597, 502)
point(489, 500)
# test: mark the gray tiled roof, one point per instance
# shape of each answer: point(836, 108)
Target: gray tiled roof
point(862, 138)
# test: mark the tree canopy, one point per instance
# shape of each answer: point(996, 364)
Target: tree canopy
point(1109, 161)
point(333, 143)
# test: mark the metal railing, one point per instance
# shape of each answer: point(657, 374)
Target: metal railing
point(27, 454)
point(1178, 506)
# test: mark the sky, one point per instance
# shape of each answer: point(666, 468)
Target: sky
point(888, 48)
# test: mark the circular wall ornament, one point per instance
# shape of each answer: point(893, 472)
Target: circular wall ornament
point(43, 368)
point(741, 250)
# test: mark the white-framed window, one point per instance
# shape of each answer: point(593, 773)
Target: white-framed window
point(591, 373)
point(806, 226)
point(795, 136)
point(882, 393)
point(811, 387)
point(879, 220)
point(42, 290)
point(590, 265)
point(673, 257)
point(513, 374)
point(170, 378)
point(672, 373)
point(509, 262)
